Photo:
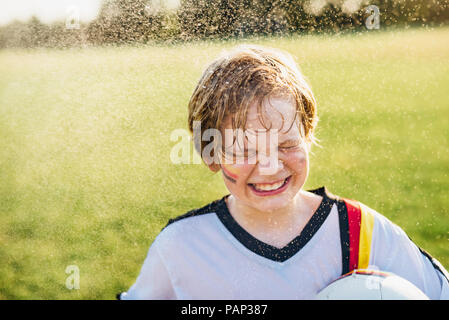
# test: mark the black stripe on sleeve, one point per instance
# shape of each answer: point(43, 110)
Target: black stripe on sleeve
point(344, 235)
point(436, 264)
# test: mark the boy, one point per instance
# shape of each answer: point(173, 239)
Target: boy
point(269, 238)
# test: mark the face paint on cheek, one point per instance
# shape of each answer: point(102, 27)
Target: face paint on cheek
point(231, 173)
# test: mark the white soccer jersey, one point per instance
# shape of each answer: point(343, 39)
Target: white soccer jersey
point(206, 254)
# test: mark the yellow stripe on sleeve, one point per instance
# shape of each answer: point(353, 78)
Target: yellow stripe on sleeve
point(366, 235)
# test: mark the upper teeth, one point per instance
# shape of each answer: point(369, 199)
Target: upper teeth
point(268, 186)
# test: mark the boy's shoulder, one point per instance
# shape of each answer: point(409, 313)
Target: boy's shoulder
point(190, 229)
point(209, 208)
point(196, 223)
point(381, 222)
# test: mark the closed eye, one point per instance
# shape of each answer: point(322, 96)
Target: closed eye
point(289, 147)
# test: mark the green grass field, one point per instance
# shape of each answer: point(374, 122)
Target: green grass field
point(85, 173)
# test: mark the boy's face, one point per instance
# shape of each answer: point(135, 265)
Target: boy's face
point(267, 169)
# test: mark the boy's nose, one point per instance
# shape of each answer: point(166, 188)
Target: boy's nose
point(269, 165)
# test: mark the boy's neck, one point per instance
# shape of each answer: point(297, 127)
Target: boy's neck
point(277, 227)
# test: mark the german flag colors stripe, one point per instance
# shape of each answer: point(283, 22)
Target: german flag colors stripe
point(366, 236)
point(360, 229)
point(354, 223)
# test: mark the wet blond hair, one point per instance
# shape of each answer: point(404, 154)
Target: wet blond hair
point(245, 75)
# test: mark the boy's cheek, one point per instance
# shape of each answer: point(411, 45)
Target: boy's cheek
point(297, 161)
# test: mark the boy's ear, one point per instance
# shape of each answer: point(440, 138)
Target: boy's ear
point(214, 167)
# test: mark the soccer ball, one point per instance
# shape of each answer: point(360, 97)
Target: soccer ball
point(371, 285)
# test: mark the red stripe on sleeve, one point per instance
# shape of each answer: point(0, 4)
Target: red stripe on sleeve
point(354, 222)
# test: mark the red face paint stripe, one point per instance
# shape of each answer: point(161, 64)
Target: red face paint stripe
point(229, 178)
point(229, 174)
point(354, 222)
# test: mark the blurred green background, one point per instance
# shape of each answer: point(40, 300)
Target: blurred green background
point(85, 171)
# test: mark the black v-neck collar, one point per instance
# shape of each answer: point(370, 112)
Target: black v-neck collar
point(266, 250)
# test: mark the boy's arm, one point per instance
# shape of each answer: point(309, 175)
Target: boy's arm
point(393, 251)
point(153, 282)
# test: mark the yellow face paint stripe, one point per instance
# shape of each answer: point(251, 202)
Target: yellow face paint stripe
point(366, 235)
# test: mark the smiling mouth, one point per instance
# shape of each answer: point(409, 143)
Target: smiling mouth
point(269, 188)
